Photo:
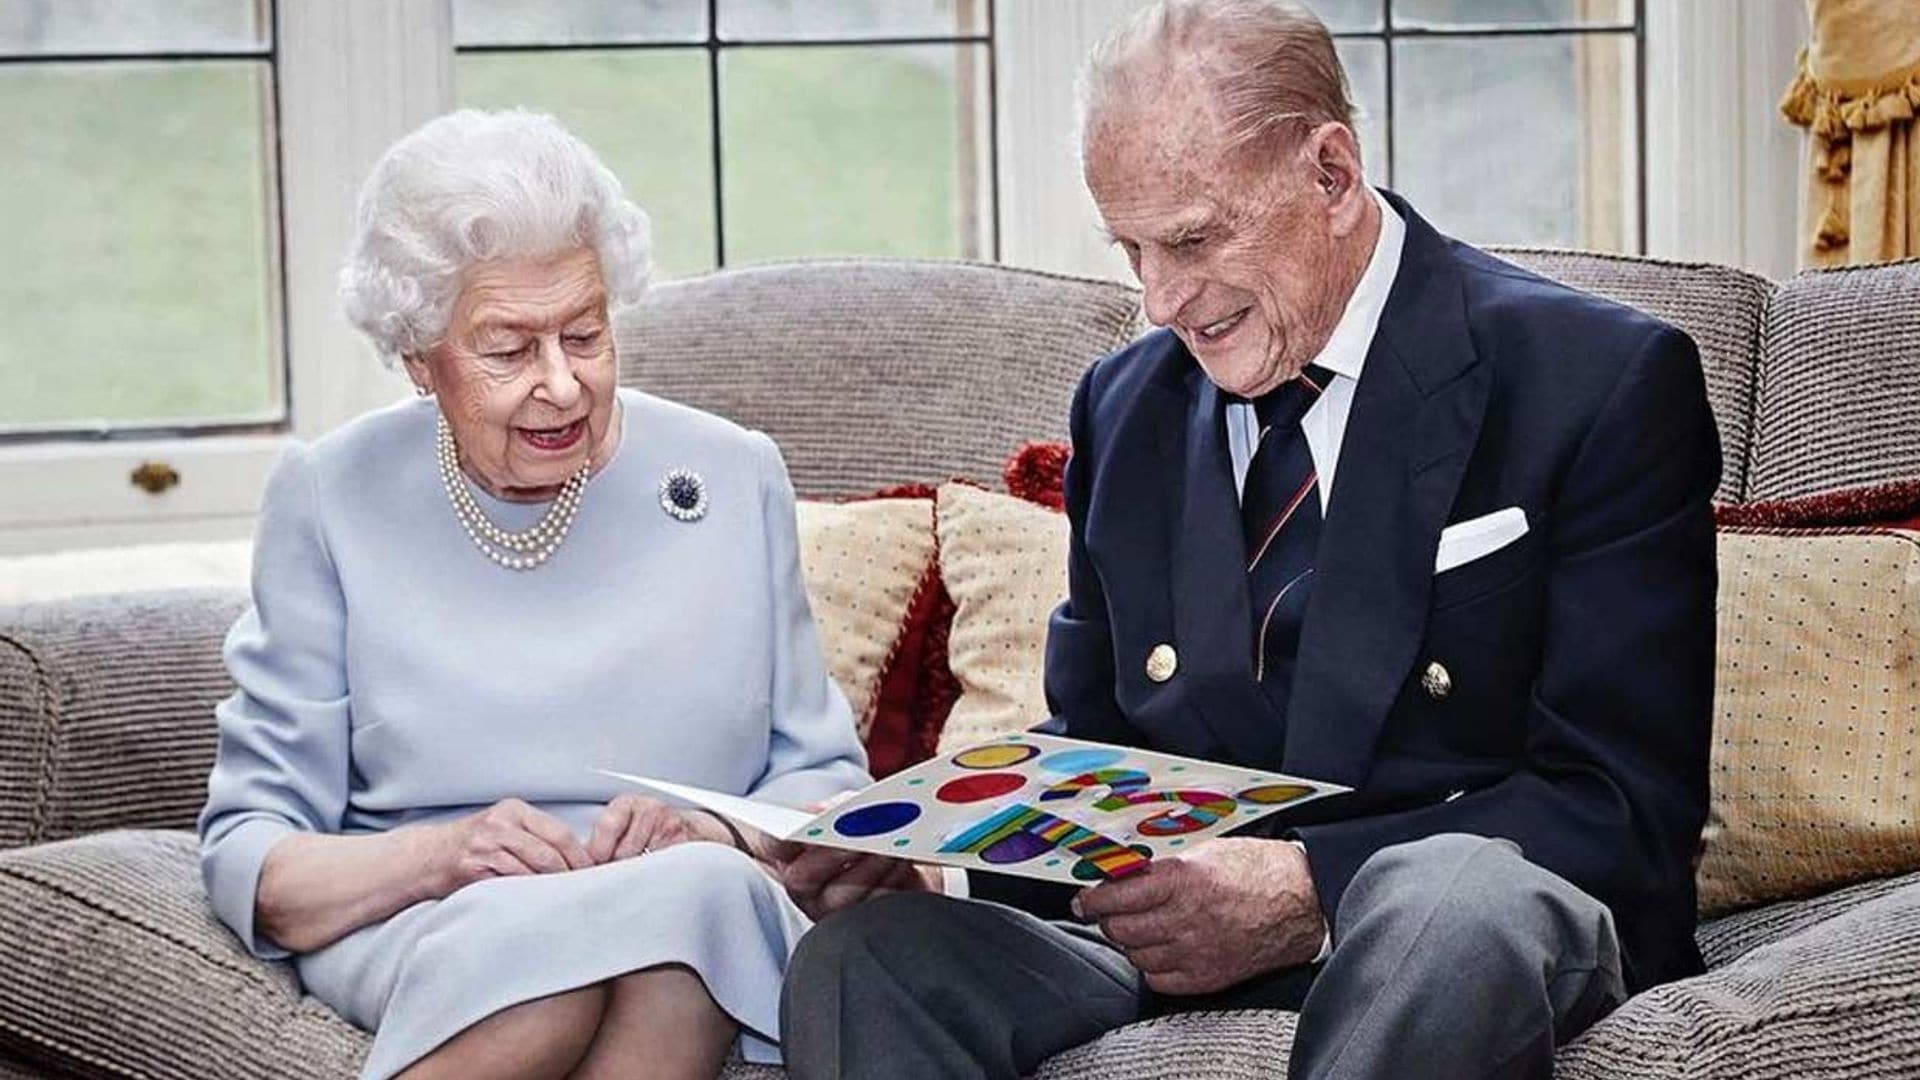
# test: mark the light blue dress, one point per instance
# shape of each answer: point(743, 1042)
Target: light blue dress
point(390, 674)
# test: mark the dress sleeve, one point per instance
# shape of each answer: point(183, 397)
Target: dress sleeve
point(813, 750)
point(282, 758)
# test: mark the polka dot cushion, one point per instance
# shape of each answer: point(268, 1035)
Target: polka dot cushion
point(1817, 715)
point(1004, 560)
point(862, 562)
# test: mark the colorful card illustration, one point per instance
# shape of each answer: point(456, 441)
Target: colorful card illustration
point(1039, 806)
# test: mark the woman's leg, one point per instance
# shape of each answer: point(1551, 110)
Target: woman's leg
point(660, 1022)
point(533, 1040)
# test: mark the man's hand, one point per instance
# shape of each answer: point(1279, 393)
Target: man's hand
point(1233, 909)
point(823, 880)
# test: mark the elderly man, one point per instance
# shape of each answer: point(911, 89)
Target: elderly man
point(1373, 507)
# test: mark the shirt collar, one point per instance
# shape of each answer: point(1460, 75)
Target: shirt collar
point(1346, 349)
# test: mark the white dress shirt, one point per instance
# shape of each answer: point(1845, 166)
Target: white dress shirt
point(1345, 354)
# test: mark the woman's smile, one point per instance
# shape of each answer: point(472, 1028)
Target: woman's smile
point(553, 440)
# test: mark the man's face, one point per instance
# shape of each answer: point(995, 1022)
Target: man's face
point(1236, 255)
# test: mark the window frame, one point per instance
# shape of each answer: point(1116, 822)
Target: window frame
point(716, 47)
point(350, 76)
point(1388, 34)
point(276, 246)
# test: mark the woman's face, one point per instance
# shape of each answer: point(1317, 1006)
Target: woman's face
point(526, 374)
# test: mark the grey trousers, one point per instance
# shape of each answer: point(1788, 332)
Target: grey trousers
point(1453, 957)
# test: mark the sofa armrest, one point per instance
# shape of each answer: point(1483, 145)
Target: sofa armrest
point(106, 711)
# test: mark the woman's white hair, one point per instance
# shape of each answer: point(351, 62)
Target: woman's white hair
point(469, 187)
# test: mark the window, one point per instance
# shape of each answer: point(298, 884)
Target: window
point(763, 129)
point(142, 287)
point(180, 176)
point(1504, 121)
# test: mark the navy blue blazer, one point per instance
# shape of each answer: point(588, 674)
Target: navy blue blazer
point(1581, 655)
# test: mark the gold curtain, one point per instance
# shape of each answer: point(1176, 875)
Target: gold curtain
point(1856, 92)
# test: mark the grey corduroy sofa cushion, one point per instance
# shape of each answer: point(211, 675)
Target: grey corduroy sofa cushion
point(1722, 309)
point(871, 372)
point(128, 974)
point(106, 711)
point(1839, 401)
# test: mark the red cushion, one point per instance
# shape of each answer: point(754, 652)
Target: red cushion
point(917, 688)
point(1037, 471)
point(1890, 505)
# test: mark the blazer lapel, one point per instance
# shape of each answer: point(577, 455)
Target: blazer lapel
point(1415, 420)
point(1212, 617)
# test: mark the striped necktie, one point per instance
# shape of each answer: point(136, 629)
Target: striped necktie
point(1280, 519)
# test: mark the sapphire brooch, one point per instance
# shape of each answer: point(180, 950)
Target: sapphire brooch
point(683, 495)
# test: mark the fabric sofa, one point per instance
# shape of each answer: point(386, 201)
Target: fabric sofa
point(870, 374)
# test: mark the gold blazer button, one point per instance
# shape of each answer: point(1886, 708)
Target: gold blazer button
point(1162, 662)
point(1436, 681)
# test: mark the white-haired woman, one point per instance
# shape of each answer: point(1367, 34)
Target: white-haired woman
point(467, 603)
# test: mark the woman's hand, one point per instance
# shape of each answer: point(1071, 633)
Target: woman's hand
point(635, 824)
point(507, 839)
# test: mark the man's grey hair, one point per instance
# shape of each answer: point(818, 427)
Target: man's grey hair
point(1269, 64)
point(469, 187)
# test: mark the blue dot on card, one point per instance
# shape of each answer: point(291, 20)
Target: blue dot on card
point(1078, 761)
point(916, 781)
point(815, 832)
point(902, 842)
point(876, 819)
point(1053, 862)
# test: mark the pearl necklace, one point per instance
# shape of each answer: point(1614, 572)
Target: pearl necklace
point(522, 550)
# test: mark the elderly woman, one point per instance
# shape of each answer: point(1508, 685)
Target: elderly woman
point(467, 603)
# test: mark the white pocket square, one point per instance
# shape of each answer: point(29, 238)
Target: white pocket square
point(1465, 541)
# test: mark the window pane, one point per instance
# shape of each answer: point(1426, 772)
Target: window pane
point(1558, 168)
point(862, 149)
point(577, 22)
point(644, 112)
point(787, 20)
point(1441, 14)
point(139, 282)
point(1347, 16)
point(1366, 64)
point(34, 27)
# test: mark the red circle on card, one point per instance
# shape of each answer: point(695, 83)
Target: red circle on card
point(991, 785)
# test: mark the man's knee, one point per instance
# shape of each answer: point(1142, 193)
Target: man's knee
point(881, 931)
point(1472, 893)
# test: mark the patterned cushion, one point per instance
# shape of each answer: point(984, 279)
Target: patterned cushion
point(864, 562)
point(1839, 398)
point(1816, 733)
point(1005, 562)
point(876, 371)
point(1722, 309)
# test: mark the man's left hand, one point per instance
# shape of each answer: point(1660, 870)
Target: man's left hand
point(823, 880)
point(1233, 909)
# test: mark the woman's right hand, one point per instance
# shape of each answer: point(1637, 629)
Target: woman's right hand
point(507, 839)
